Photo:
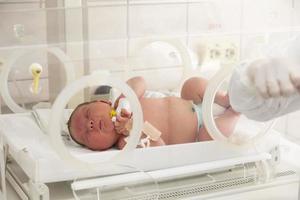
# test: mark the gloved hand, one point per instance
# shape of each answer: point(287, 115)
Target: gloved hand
point(274, 77)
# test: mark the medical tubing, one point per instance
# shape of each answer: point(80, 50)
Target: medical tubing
point(58, 53)
point(61, 102)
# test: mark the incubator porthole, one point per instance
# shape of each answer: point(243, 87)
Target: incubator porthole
point(58, 112)
point(24, 78)
point(238, 130)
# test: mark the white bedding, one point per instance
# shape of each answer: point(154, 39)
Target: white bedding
point(22, 131)
point(42, 117)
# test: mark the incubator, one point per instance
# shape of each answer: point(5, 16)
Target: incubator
point(44, 78)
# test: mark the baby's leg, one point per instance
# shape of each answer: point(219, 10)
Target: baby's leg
point(194, 88)
point(225, 123)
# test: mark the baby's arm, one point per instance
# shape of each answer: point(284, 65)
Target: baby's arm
point(138, 85)
point(124, 122)
point(225, 123)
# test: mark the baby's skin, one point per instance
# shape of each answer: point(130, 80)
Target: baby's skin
point(91, 124)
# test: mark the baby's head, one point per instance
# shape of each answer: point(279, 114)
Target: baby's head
point(90, 125)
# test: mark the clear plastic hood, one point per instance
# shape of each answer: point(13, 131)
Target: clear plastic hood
point(44, 48)
point(58, 54)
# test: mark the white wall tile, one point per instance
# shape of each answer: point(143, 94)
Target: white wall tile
point(148, 20)
point(263, 15)
point(108, 48)
point(107, 22)
point(33, 23)
point(296, 13)
point(107, 54)
point(215, 15)
point(263, 44)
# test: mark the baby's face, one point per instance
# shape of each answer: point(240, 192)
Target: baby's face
point(91, 125)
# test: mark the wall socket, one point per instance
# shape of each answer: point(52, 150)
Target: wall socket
point(222, 49)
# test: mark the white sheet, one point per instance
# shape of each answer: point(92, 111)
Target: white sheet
point(42, 117)
point(23, 132)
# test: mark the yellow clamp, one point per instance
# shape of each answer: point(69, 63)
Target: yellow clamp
point(36, 71)
point(113, 113)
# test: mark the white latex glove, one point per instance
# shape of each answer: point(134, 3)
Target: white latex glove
point(274, 77)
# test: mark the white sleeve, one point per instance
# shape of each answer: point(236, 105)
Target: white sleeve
point(244, 98)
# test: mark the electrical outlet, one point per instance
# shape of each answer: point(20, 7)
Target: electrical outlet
point(222, 49)
point(230, 52)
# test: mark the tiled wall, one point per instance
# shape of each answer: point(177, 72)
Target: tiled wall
point(109, 24)
point(247, 21)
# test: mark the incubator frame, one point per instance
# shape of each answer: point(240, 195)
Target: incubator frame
point(223, 157)
point(122, 158)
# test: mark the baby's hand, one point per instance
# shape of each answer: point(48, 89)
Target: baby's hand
point(123, 123)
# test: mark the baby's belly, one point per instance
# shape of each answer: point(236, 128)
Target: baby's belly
point(174, 117)
point(183, 123)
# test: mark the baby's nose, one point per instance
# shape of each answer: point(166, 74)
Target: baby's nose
point(90, 125)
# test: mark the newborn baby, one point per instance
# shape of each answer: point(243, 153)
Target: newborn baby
point(178, 119)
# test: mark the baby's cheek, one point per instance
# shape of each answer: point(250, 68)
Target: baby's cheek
point(97, 143)
point(94, 146)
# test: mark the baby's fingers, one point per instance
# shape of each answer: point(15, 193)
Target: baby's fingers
point(119, 129)
point(122, 130)
point(122, 119)
point(125, 113)
point(117, 124)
